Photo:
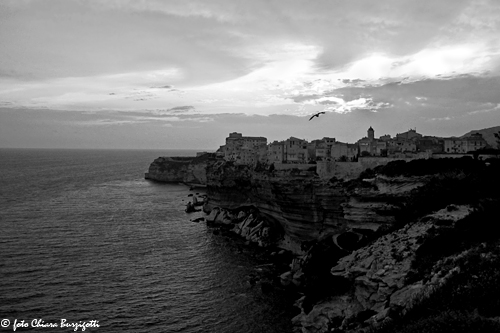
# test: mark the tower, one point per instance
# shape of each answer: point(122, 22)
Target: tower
point(371, 134)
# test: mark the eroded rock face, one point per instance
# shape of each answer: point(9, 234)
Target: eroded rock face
point(192, 170)
point(379, 277)
point(307, 207)
point(168, 169)
point(246, 223)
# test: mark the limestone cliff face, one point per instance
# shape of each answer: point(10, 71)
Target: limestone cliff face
point(191, 170)
point(168, 169)
point(303, 206)
point(306, 207)
point(379, 276)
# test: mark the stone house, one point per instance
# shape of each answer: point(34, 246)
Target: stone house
point(296, 150)
point(245, 149)
point(276, 152)
point(341, 150)
point(411, 134)
point(464, 145)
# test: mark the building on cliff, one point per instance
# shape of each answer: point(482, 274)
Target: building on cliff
point(411, 134)
point(464, 145)
point(296, 150)
point(344, 151)
point(431, 144)
point(410, 144)
point(276, 152)
point(323, 149)
point(245, 149)
point(370, 146)
point(311, 149)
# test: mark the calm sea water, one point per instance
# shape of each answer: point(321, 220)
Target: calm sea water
point(84, 237)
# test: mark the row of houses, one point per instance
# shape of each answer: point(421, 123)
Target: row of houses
point(250, 150)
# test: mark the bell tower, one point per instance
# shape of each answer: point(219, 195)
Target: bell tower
point(371, 134)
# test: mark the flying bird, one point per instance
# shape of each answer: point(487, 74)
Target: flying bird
point(316, 115)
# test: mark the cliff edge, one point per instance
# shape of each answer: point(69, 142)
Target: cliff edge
point(189, 170)
point(374, 253)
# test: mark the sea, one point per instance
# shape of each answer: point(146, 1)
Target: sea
point(87, 243)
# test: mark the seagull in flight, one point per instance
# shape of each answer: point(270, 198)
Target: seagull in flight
point(316, 115)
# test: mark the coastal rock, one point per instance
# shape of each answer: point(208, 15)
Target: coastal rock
point(189, 170)
point(300, 206)
point(213, 215)
point(169, 169)
point(286, 278)
point(379, 274)
point(305, 207)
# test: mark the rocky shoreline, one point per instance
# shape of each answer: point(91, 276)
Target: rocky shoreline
point(353, 248)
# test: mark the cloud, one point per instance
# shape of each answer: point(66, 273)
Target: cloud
point(253, 57)
point(441, 119)
point(106, 122)
point(217, 10)
point(149, 117)
point(490, 107)
point(182, 109)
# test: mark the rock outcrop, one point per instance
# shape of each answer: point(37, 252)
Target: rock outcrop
point(306, 207)
point(356, 242)
point(189, 170)
point(246, 223)
point(380, 278)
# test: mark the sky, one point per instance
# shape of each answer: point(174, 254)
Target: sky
point(151, 74)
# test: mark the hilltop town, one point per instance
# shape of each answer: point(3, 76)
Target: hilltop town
point(331, 158)
point(410, 144)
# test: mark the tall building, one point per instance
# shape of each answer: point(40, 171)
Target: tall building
point(245, 149)
point(296, 150)
point(276, 152)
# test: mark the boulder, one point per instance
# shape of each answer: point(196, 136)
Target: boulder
point(245, 231)
point(298, 278)
point(213, 215)
point(286, 278)
point(241, 215)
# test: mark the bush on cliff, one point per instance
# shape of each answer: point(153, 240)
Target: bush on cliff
point(422, 167)
point(480, 226)
point(467, 302)
point(466, 182)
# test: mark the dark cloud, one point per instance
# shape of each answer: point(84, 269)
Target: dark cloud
point(353, 82)
point(181, 109)
point(460, 89)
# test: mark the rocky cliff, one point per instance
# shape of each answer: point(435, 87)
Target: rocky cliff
point(189, 170)
point(306, 207)
point(379, 276)
point(366, 250)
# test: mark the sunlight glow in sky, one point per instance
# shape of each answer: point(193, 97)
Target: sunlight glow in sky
point(96, 70)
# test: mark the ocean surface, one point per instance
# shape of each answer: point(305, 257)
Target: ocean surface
point(83, 236)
